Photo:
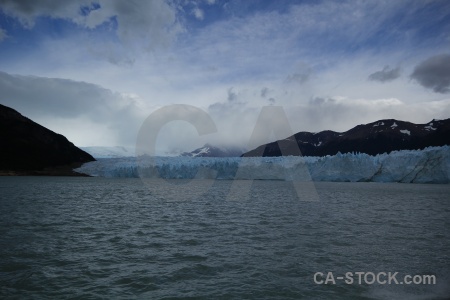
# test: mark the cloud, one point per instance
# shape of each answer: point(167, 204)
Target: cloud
point(236, 119)
point(90, 115)
point(320, 101)
point(299, 78)
point(231, 104)
point(60, 103)
point(198, 13)
point(264, 92)
point(313, 59)
point(385, 75)
point(434, 73)
point(140, 24)
point(3, 34)
point(232, 96)
point(337, 114)
point(342, 113)
point(26, 11)
point(270, 43)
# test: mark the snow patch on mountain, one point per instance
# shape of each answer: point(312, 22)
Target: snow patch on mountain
point(204, 150)
point(378, 124)
point(405, 131)
point(214, 151)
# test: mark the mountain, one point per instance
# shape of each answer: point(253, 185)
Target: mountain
point(379, 137)
point(27, 148)
point(109, 152)
point(212, 151)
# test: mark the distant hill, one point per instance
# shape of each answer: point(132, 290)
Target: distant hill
point(373, 138)
point(27, 148)
point(212, 151)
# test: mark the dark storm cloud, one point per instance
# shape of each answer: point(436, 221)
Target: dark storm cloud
point(385, 75)
point(434, 73)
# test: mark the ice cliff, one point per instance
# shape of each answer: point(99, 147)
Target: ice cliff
point(431, 165)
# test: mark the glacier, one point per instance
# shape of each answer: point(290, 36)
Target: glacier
point(430, 165)
point(109, 152)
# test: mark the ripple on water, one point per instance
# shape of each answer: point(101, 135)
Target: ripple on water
point(118, 238)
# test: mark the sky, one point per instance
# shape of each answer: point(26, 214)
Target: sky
point(94, 70)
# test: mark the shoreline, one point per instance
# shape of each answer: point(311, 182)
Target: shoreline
point(65, 170)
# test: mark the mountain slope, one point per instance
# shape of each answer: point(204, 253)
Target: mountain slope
point(373, 138)
point(212, 151)
point(28, 148)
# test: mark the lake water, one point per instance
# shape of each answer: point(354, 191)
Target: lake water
point(92, 238)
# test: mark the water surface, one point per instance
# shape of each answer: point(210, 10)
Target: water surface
point(119, 238)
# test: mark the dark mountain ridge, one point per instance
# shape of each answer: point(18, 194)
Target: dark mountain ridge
point(378, 137)
point(27, 148)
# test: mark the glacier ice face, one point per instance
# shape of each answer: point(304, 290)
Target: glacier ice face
point(431, 165)
point(109, 152)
